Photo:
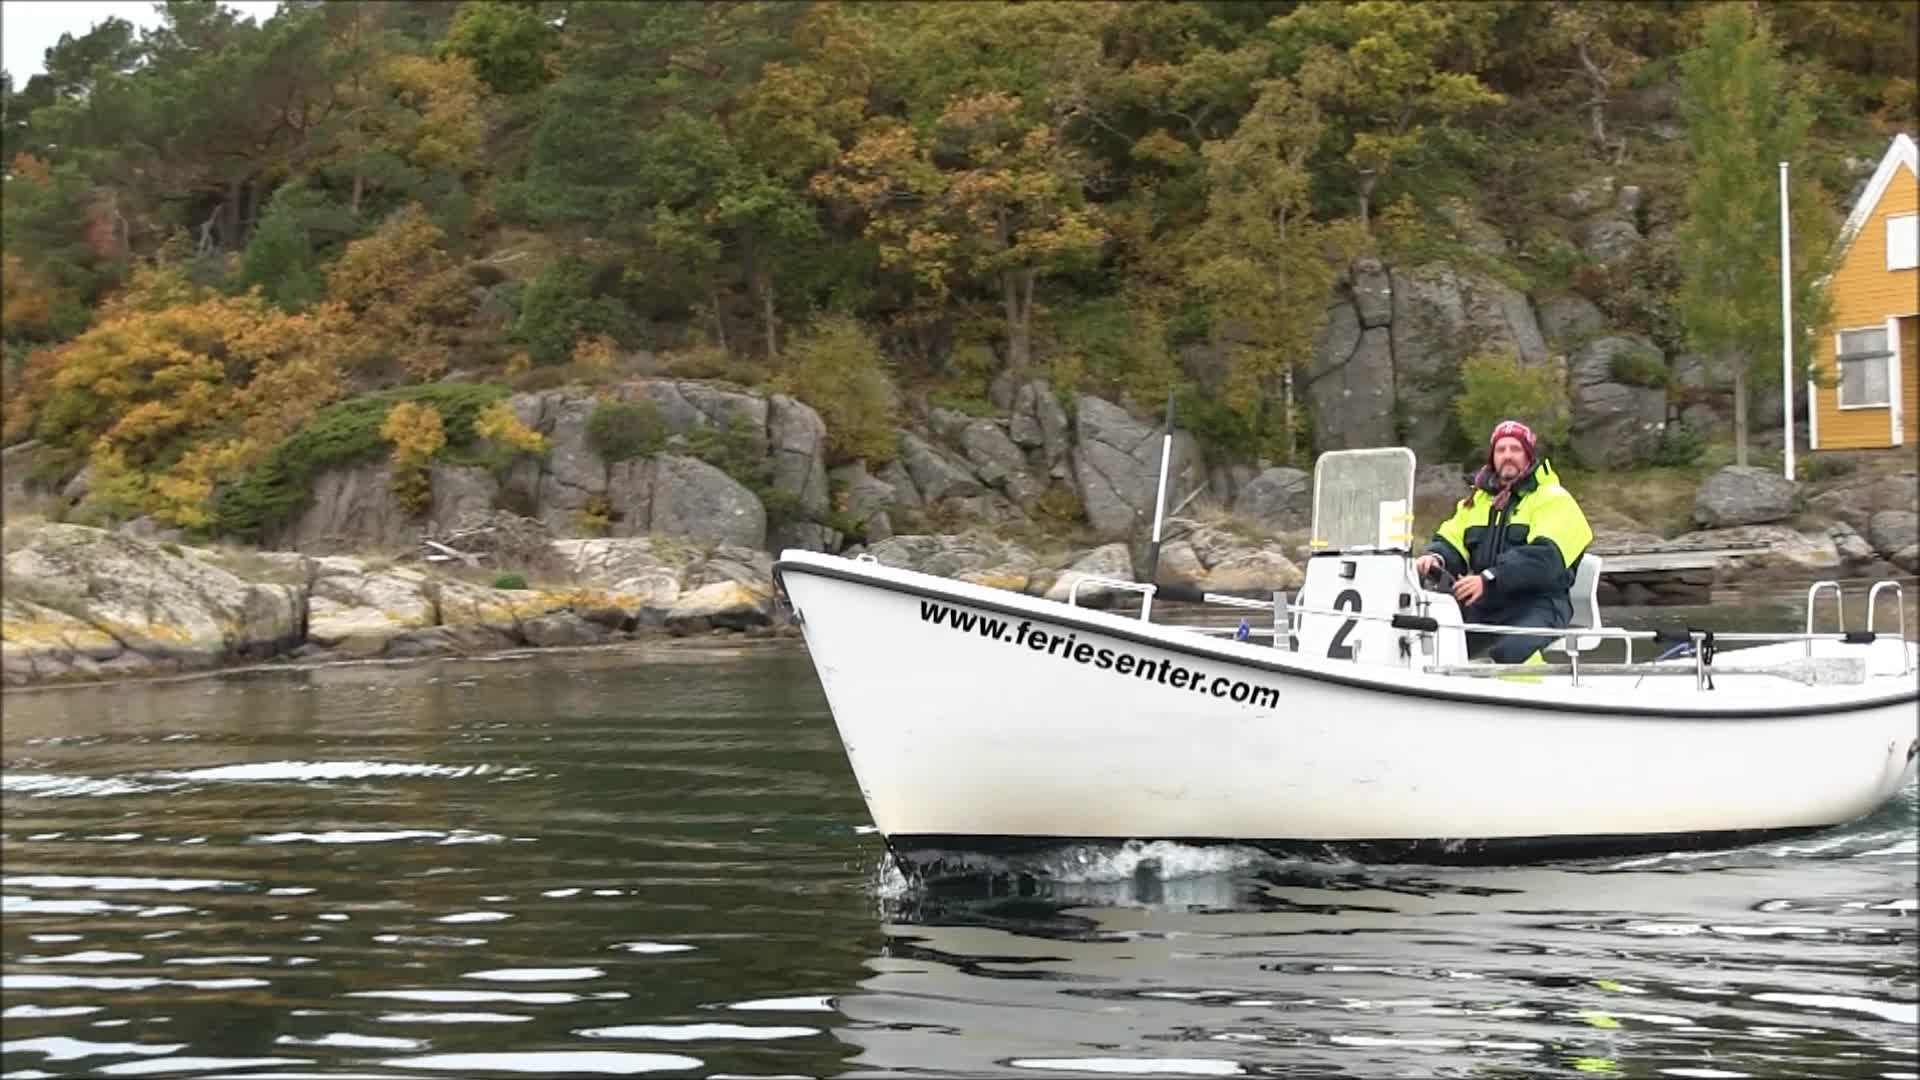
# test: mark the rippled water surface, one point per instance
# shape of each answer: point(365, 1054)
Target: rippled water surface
point(654, 861)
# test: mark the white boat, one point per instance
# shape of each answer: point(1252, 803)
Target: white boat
point(977, 719)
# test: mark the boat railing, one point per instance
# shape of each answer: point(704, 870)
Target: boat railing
point(1899, 609)
point(1839, 606)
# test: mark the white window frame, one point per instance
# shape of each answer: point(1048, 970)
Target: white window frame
point(1904, 242)
point(1892, 360)
point(1896, 394)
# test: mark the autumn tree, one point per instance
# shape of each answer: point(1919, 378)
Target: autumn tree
point(985, 197)
point(402, 292)
point(1392, 78)
point(1259, 254)
point(1745, 114)
point(416, 432)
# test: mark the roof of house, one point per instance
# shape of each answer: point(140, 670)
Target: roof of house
point(1900, 152)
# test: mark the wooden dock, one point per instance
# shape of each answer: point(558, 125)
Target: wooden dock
point(1641, 575)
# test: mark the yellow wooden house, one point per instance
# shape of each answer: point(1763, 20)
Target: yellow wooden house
point(1874, 343)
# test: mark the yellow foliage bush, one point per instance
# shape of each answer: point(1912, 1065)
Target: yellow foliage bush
point(403, 293)
point(417, 433)
point(176, 389)
point(837, 367)
point(498, 423)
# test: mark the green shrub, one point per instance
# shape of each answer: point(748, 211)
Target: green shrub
point(344, 433)
point(510, 581)
point(560, 308)
point(1679, 445)
point(1639, 367)
point(1496, 386)
point(619, 430)
point(837, 368)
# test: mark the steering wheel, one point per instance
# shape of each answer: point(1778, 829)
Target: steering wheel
point(1439, 579)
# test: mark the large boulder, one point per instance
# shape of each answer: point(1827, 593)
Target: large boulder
point(685, 407)
point(1614, 423)
point(864, 499)
point(1771, 547)
point(1112, 562)
point(998, 460)
point(1856, 503)
point(1744, 495)
point(692, 500)
point(1608, 240)
point(949, 555)
point(1116, 463)
point(1439, 317)
point(1571, 318)
point(936, 473)
point(1350, 389)
point(797, 441)
point(79, 596)
point(1892, 531)
point(1039, 425)
point(354, 601)
point(1280, 499)
point(1372, 289)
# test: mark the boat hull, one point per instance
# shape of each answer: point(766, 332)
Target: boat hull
point(978, 718)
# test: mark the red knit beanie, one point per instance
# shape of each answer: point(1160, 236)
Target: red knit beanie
point(1511, 429)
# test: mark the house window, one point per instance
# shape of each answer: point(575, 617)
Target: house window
point(1863, 355)
point(1903, 242)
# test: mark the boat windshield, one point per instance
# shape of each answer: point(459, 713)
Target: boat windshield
point(1363, 499)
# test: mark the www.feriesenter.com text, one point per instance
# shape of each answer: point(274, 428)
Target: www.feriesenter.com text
point(1162, 670)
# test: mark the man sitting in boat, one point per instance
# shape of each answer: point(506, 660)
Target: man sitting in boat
point(1511, 547)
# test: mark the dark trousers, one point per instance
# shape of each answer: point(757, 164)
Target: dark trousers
point(1512, 648)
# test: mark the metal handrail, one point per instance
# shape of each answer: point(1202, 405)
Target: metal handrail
point(1839, 606)
point(1900, 609)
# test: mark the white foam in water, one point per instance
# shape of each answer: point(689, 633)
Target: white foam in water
point(204, 960)
point(34, 1012)
point(87, 956)
point(537, 974)
point(650, 947)
point(454, 1018)
point(156, 1066)
point(75, 982)
point(351, 1041)
point(1135, 1066)
point(454, 997)
point(611, 1062)
point(50, 786)
point(50, 939)
point(345, 836)
point(1903, 1012)
point(60, 1048)
point(696, 1032)
point(115, 884)
point(561, 894)
point(14, 904)
point(474, 917)
point(1705, 1074)
point(322, 770)
point(786, 1004)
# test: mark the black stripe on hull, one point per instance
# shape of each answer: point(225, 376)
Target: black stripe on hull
point(1490, 851)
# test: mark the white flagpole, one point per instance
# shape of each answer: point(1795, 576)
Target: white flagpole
point(1786, 322)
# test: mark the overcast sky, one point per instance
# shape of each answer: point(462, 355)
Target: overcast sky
point(29, 27)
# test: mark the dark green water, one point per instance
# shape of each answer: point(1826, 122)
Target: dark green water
point(654, 861)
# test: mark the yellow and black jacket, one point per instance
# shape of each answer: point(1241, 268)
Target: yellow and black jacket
point(1532, 546)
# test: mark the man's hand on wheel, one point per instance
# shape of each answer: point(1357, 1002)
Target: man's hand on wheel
point(1426, 564)
point(1469, 589)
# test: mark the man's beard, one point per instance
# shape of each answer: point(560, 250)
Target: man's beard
point(1509, 473)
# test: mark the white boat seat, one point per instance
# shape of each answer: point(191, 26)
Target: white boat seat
point(1586, 607)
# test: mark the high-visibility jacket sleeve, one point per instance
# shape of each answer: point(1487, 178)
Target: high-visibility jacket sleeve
point(1450, 540)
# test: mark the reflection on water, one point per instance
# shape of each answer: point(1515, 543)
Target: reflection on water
point(654, 861)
